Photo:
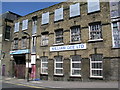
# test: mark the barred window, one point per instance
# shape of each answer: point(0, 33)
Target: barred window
point(96, 66)
point(58, 64)
point(75, 65)
point(59, 36)
point(95, 31)
point(75, 34)
point(44, 65)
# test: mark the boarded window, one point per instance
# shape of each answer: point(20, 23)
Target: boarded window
point(75, 10)
point(25, 24)
point(93, 5)
point(58, 14)
point(45, 18)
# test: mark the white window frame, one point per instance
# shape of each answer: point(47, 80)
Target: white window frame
point(56, 37)
point(95, 68)
point(78, 34)
point(76, 8)
point(57, 68)
point(25, 24)
point(90, 2)
point(60, 10)
point(45, 18)
point(71, 67)
point(118, 26)
point(16, 27)
point(34, 27)
point(100, 31)
point(44, 40)
point(44, 67)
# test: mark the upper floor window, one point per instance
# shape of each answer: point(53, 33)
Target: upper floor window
point(7, 32)
point(75, 10)
point(93, 5)
point(95, 31)
point(96, 66)
point(34, 26)
point(58, 64)
point(75, 65)
point(45, 18)
point(24, 42)
point(25, 24)
point(58, 14)
point(59, 36)
point(116, 34)
point(16, 28)
point(44, 65)
point(44, 39)
point(15, 43)
point(33, 48)
point(75, 34)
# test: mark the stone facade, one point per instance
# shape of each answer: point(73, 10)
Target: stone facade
point(102, 47)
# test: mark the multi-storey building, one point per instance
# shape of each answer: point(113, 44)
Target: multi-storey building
point(68, 41)
point(6, 24)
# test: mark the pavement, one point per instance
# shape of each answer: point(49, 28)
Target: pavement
point(62, 84)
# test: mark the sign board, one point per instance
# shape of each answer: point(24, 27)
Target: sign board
point(68, 47)
point(19, 51)
point(33, 59)
point(29, 65)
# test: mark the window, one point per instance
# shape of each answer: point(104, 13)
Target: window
point(75, 65)
point(16, 28)
point(75, 34)
point(93, 5)
point(58, 14)
point(44, 39)
point(95, 31)
point(58, 64)
point(96, 66)
point(59, 36)
point(7, 32)
point(75, 10)
point(15, 46)
point(45, 18)
point(25, 24)
point(44, 65)
point(116, 34)
point(24, 42)
point(34, 26)
point(33, 49)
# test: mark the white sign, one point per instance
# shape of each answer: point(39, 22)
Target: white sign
point(68, 47)
point(33, 59)
point(29, 65)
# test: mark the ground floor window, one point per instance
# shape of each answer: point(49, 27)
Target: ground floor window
point(58, 65)
point(44, 65)
point(75, 65)
point(96, 66)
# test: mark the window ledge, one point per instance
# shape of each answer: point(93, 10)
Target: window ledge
point(95, 40)
point(96, 77)
point(58, 44)
point(75, 42)
point(44, 73)
point(115, 47)
point(7, 39)
point(58, 75)
point(75, 75)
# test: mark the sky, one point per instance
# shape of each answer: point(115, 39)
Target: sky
point(24, 8)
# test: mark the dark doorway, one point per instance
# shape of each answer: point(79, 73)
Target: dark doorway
point(19, 66)
point(3, 70)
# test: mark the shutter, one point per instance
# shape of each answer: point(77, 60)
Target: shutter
point(58, 14)
point(93, 5)
point(75, 10)
point(45, 18)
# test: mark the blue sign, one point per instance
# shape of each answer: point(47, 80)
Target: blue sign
point(20, 51)
point(68, 47)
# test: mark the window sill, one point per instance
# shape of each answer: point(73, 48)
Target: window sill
point(58, 75)
point(58, 44)
point(95, 40)
point(101, 77)
point(75, 42)
point(7, 39)
point(115, 47)
point(93, 12)
point(75, 75)
point(44, 74)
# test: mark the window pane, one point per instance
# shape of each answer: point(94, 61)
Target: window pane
point(97, 72)
point(76, 65)
point(16, 28)
point(7, 32)
point(44, 70)
point(59, 71)
point(97, 65)
point(93, 6)
point(75, 72)
point(44, 64)
point(75, 10)
point(59, 65)
point(25, 24)
point(34, 27)
point(76, 58)
point(58, 59)
point(45, 18)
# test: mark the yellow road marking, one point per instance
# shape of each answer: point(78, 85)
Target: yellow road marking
point(24, 85)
